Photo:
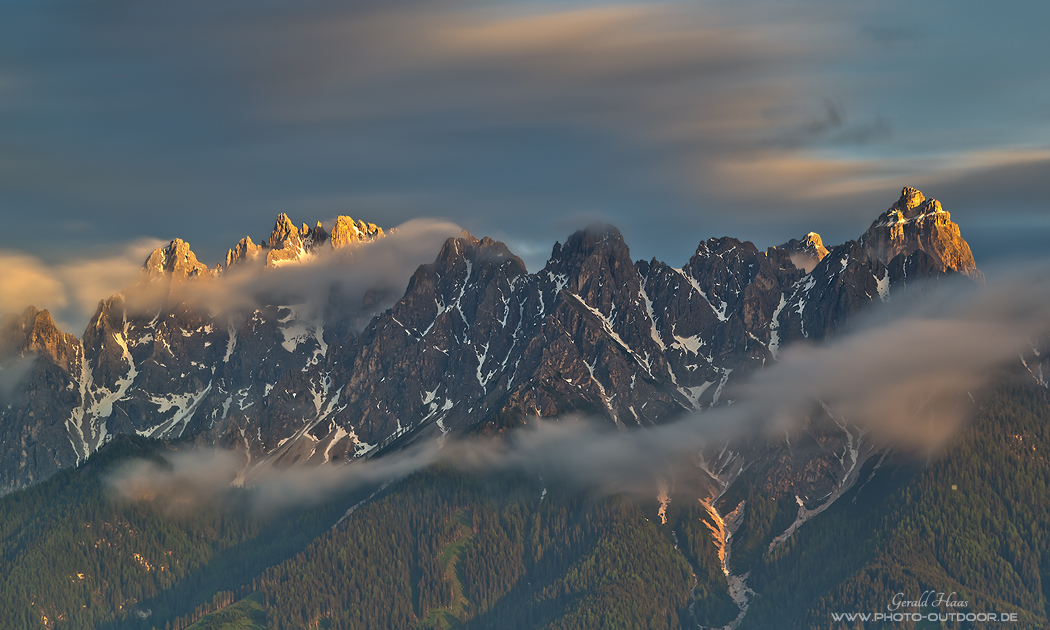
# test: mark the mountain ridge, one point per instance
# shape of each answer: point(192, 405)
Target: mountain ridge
point(475, 343)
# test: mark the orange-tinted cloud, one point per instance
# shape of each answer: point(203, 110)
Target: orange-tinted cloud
point(70, 290)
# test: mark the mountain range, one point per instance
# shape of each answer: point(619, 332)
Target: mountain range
point(475, 343)
point(478, 346)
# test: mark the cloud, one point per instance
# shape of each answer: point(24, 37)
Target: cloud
point(904, 382)
point(179, 481)
point(891, 35)
point(830, 178)
point(504, 118)
point(70, 290)
point(12, 373)
point(904, 375)
point(28, 281)
point(805, 262)
point(89, 280)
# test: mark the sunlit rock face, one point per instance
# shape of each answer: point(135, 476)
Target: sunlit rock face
point(347, 232)
point(285, 243)
point(244, 251)
point(175, 260)
point(810, 250)
point(35, 333)
point(288, 243)
point(806, 253)
point(475, 343)
point(915, 223)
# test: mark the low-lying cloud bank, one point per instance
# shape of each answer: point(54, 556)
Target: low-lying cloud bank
point(899, 372)
point(902, 374)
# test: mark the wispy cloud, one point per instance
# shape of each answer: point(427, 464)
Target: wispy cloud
point(833, 176)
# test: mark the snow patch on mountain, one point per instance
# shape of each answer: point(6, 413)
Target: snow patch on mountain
point(774, 327)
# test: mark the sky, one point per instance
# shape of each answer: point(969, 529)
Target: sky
point(126, 124)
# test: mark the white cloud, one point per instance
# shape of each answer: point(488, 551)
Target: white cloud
point(70, 290)
point(25, 280)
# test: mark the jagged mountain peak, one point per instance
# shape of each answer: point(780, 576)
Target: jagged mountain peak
point(813, 241)
point(16, 328)
point(597, 240)
point(243, 251)
point(474, 250)
point(723, 246)
point(456, 247)
point(285, 242)
point(35, 332)
point(806, 252)
point(313, 237)
point(913, 203)
point(915, 222)
point(283, 231)
point(346, 231)
point(175, 261)
point(589, 238)
point(461, 261)
point(18, 333)
point(911, 206)
point(288, 243)
point(594, 264)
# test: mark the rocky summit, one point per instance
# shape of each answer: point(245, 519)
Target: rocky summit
point(288, 243)
point(806, 253)
point(175, 261)
point(476, 343)
point(918, 232)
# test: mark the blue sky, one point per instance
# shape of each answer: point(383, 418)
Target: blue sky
point(123, 123)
